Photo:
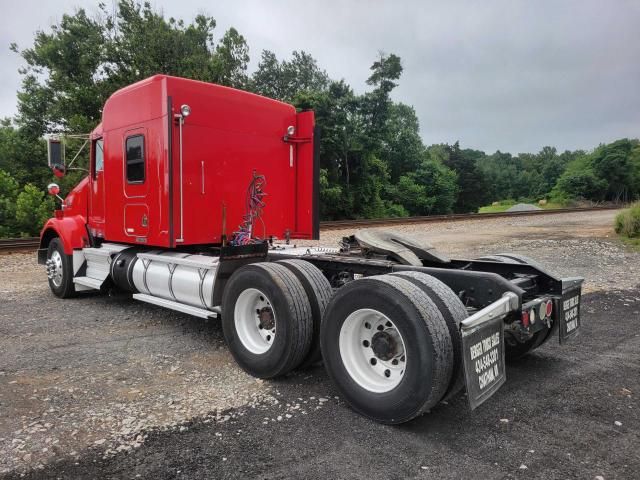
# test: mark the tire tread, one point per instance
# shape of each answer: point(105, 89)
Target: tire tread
point(453, 311)
point(319, 292)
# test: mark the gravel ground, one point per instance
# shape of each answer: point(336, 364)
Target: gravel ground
point(98, 372)
point(565, 412)
point(99, 386)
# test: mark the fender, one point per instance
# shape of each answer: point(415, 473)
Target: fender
point(71, 230)
point(70, 223)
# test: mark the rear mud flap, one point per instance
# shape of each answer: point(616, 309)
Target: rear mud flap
point(483, 349)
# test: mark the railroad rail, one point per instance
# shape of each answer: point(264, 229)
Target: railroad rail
point(31, 243)
point(18, 244)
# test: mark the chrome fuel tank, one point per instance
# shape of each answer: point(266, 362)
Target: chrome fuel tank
point(180, 277)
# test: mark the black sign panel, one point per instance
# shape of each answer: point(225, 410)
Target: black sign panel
point(483, 354)
point(569, 314)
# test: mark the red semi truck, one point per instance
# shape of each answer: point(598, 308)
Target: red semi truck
point(194, 194)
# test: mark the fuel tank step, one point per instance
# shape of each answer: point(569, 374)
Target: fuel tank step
point(88, 282)
point(180, 307)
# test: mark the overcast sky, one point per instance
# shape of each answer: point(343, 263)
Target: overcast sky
point(508, 75)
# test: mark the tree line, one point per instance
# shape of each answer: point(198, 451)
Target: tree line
point(373, 160)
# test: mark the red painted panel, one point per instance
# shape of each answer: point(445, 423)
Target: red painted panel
point(72, 227)
point(228, 136)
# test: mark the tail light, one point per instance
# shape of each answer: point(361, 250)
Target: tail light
point(549, 308)
point(525, 318)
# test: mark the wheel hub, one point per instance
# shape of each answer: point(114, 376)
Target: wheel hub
point(54, 268)
point(372, 350)
point(255, 321)
point(266, 318)
point(384, 345)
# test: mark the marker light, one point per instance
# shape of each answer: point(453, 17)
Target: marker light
point(185, 110)
point(525, 319)
point(532, 315)
point(291, 130)
point(549, 308)
point(542, 310)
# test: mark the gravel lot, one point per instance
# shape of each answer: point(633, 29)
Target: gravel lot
point(99, 386)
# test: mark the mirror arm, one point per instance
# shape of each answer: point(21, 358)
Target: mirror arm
point(79, 151)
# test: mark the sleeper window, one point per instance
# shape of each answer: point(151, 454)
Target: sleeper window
point(99, 157)
point(135, 159)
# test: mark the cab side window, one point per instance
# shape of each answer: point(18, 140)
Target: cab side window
point(98, 152)
point(134, 147)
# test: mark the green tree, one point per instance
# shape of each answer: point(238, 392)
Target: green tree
point(472, 184)
point(375, 105)
point(71, 70)
point(402, 146)
point(579, 181)
point(8, 193)
point(613, 163)
point(21, 156)
point(412, 195)
point(33, 208)
point(440, 183)
point(286, 79)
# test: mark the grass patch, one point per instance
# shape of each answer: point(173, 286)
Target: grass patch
point(631, 242)
point(552, 206)
point(627, 225)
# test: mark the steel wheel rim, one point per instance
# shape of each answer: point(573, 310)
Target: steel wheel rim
point(372, 371)
point(252, 333)
point(54, 268)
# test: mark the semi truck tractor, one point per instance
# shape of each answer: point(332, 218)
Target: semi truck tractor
point(195, 199)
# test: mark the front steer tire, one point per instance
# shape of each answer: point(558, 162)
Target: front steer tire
point(285, 312)
point(426, 347)
point(61, 267)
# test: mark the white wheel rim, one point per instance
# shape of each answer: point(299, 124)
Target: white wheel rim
point(373, 370)
point(255, 337)
point(54, 268)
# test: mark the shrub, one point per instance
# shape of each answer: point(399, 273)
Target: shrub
point(8, 194)
point(33, 208)
point(627, 223)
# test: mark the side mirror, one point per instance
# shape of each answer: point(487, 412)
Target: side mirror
point(55, 150)
point(54, 190)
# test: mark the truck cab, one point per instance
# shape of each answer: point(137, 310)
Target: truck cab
point(172, 158)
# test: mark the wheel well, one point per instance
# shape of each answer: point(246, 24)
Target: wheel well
point(47, 236)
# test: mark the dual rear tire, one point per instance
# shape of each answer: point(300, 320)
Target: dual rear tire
point(272, 315)
point(390, 343)
point(388, 347)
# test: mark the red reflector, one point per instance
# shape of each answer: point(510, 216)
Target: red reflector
point(549, 308)
point(525, 318)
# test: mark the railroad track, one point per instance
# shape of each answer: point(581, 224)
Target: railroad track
point(18, 244)
point(29, 244)
point(377, 222)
